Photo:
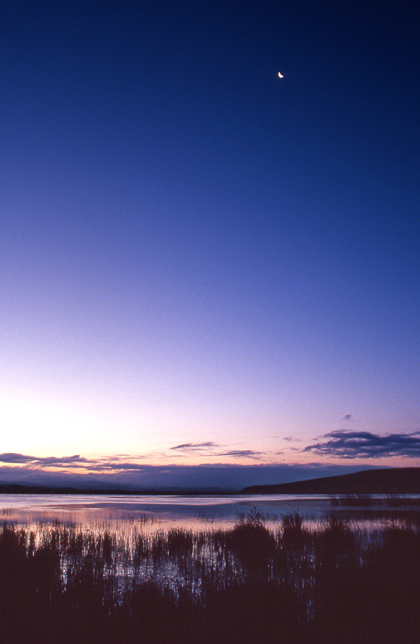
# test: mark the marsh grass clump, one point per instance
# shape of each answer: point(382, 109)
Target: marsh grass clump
point(337, 537)
point(293, 535)
point(398, 501)
point(140, 549)
point(180, 542)
point(251, 541)
point(106, 546)
point(354, 500)
point(159, 547)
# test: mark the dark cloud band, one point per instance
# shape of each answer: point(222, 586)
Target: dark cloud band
point(193, 447)
point(11, 457)
point(348, 444)
point(241, 453)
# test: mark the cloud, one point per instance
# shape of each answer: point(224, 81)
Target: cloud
point(11, 457)
point(114, 466)
point(194, 447)
point(64, 460)
point(212, 449)
point(101, 464)
point(241, 453)
point(347, 444)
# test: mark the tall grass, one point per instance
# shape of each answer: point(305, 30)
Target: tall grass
point(247, 584)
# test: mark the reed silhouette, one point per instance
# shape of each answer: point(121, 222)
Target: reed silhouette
point(248, 584)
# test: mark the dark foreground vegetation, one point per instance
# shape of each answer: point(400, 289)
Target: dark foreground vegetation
point(369, 501)
point(248, 584)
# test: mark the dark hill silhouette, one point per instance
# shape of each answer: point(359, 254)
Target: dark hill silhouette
point(20, 488)
point(405, 480)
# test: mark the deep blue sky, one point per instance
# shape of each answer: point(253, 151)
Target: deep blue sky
point(196, 254)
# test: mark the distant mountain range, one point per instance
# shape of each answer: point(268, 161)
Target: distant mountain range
point(24, 488)
point(404, 480)
point(380, 481)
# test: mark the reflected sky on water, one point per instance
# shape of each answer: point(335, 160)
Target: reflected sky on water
point(159, 512)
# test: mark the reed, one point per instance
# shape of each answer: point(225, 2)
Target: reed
point(247, 584)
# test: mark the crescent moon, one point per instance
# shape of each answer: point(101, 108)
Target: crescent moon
point(280, 75)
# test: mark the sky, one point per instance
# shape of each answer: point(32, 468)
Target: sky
point(206, 267)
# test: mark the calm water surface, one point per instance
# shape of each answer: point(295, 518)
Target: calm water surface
point(156, 513)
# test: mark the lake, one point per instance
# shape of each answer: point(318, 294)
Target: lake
point(160, 512)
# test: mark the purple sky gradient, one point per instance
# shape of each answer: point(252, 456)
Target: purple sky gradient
point(195, 252)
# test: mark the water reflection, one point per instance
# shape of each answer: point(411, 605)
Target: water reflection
point(154, 513)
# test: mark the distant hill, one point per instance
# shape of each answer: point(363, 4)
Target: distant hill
point(19, 488)
point(385, 481)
